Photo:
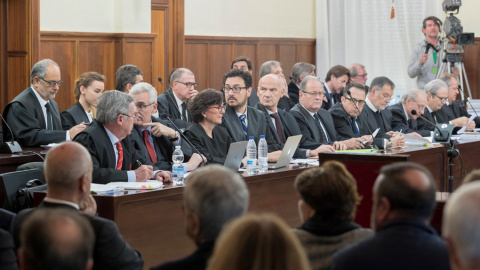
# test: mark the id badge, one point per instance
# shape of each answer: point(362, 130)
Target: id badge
point(434, 70)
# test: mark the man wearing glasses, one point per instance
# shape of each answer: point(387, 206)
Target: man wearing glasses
point(316, 123)
point(350, 123)
point(437, 96)
point(173, 101)
point(402, 117)
point(33, 115)
point(242, 121)
point(358, 74)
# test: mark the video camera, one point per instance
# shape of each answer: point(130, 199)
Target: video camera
point(453, 29)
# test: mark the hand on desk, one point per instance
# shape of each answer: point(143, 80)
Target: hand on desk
point(414, 134)
point(143, 173)
point(397, 140)
point(273, 156)
point(339, 146)
point(164, 176)
point(88, 206)
point(356, 143)
point(470, 126)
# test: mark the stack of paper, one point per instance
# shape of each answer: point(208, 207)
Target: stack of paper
point(149, 184)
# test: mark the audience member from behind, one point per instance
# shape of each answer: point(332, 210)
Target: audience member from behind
point(206, 134)
point(471, 176)
point(88, 89)
point(55, 238)
point(68, 173)
point(213, 196)
point(461, 227)
point(329, 199)
point(126, 77)
point(258, 242)
point(403, 204)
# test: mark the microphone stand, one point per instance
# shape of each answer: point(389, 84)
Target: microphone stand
point(181, 134)
point(452, 153)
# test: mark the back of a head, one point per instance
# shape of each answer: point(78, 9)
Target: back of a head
point(461, 225)
point(217, 195)
point(258, 242)
point(472, 177)
point(126, 74)
point(64, 166)
point(410, 195)
point(54, 238)
point(330, 190)
point(434, 86)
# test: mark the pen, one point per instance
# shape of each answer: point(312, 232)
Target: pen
point(139, 163)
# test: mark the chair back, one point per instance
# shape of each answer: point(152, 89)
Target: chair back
point(11, 182)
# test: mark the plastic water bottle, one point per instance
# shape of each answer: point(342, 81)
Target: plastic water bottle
point(262, 155)
point(177, 168)
point(251, 156)
point(394, 100)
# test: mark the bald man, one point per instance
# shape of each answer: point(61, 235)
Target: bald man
point(68, 173)
point(403, 204)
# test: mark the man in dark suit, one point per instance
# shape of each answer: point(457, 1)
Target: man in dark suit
point(273, 67)
point(173, 101)
point(299, 71)
point(403, 204)
point(55, 238)
point(456, 109)
point(316, 124)
point(126, 77)
point(245, 64)
point(155, 140)
point(242, 121)
point(68, 173)
point(213, 196)
point(335, 81)
point(437, 96)
point(33, 115)
point(112, 148)
point(402, 117)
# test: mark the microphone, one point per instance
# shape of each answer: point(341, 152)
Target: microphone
point(165, 116)
point(161, 81)
point(441, 137)
point(12, 146)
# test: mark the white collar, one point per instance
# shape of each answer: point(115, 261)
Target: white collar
point(57, 201)
point(405, 111)
point(312, 114)
point(370, 105)
point(179, 102)
point(111, 136)
point(40, 98)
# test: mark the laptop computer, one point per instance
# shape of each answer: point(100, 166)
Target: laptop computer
point(235, 154)
point(287, 153)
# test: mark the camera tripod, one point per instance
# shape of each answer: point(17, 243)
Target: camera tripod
point(454, 60)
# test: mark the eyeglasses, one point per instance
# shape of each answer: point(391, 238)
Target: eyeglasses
point(359, 102)
point(219, 108)
point(443, 99)
point(142, 106)
point(315, 94)
point(133, 117)
point(189, 84)
point(52, 83)
point(236, 89)
point(363, 76)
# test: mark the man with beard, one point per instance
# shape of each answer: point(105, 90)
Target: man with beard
point(335, 81)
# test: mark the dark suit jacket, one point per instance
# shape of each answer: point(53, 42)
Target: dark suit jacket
point(400, 122)
point(167, 104)
point(25, 116)
point(214, 149)
point(309, 129)
point(163, 149)
point(257, 125)
point(8, 259)
point(110, 250)
point(253, 98)
point(328, 104)
point(196, 261)
point(458, 109)
point(73, 116)
point(96, 140)
point(402, 244)
point(289, 128)
point(293, 92)
point(285, 103)
point(441, 118)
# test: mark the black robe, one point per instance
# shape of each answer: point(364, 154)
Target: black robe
point(73, 116)
point(214, 149)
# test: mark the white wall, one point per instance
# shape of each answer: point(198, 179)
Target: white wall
point(250, 18)
point(469, 15)
point(108, 16)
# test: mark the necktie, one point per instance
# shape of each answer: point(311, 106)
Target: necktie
point(412, 123)
point(323, 138)
point(354, 126)
point(434, 116)
point(120, 155)
point(244, 124)
point(278, 126)
point(49, 116)
point(184, 111)
point(151, 151)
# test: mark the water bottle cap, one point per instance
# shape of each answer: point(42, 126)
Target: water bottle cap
point(251, 138)
point(177, 147)
point(262, 136)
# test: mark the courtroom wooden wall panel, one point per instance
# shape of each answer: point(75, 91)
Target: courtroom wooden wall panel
point(141, 55)
point(197, 57)
point(304, 53)
point(16, 82)
point(247, 50)
point(98, 56)
point(471, 58)
point(220, 60)
point(287, 55)
point(266, 52)
point(159, 26)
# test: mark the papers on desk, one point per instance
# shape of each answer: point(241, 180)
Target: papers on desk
point(149, 184)
point(305, 161)
point(469, 137)
point(50, 145)
point(100, 189)
point(462, 130)
point(416, 141)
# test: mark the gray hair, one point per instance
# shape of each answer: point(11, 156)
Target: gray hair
point(461, 223)
point(217, 195)
point(433, 86)
point(447, 78)
point(111, 104)
point(412, 94)
point(266, 68)
point(379, 82)
point(354, 69)
point(40, 69)
point(126, 74)
point(301, 69)
point(145, 87)
point(178, 74)
point(303, 85)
